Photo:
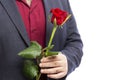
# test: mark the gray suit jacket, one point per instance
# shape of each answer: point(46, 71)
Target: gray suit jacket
point(13, 38)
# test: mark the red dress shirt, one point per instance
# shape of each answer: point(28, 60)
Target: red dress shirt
point(34, 19)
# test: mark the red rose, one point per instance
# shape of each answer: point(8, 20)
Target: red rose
point(59, 14)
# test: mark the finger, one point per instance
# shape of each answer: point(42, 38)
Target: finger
point(50, 58)
point(52, 70)
point(51, 64)
point(57, 76)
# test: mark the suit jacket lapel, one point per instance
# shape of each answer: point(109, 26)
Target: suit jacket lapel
point(48, 27)
point(14, 15)
point(48, 6)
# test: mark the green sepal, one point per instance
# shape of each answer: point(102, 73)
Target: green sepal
point(32, 51)
point(30, 69)
point(51, 53)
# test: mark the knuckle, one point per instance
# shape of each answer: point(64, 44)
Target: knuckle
point(55, 63)
point(57, 71)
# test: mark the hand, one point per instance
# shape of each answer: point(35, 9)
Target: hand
point(54, 66)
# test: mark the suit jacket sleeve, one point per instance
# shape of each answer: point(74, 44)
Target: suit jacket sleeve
point(73, 44)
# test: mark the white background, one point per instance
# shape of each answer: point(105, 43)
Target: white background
point(99, 25)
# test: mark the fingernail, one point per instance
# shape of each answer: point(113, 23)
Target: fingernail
point(42, 60)
point(42, 71)
point(40, 65)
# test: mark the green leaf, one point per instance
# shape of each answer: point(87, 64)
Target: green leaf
point(30, 69)
point(32, 51)
point(51, 53)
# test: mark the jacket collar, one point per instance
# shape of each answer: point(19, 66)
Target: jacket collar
point(48, 5)
point(11, 9)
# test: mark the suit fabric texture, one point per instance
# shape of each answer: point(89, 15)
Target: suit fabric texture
point(14, 38)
